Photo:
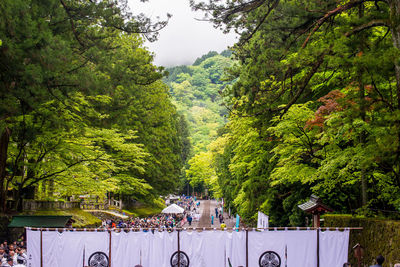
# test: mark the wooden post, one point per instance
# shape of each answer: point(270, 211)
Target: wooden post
point(83, 260)
point(109, 250)
point(358, 253)
point(317, 247)
point(247, 248)
point(41, 248)
point(286, 256)
point(316, 220)
point(179, 250)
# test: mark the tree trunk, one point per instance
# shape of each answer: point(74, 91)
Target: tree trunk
point(50, 191)
point(4, 141)
point(395, 30)
point(19, 198)
point(363, 135)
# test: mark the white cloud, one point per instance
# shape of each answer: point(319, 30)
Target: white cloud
point(185, 38)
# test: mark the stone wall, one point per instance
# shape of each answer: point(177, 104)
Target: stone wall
point(31, 205)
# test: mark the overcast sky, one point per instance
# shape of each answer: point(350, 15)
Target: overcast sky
point(184, 39)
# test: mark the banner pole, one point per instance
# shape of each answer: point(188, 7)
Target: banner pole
point(109, 250)
point(179, 250)
point(41, 247)
point(317, 247)
point(247, 248)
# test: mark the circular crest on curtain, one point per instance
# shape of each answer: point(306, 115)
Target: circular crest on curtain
point(269, 259)
point(183, 259)
point(98, 259)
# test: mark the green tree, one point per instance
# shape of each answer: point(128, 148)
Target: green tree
point(295, 52)
point(68, 70)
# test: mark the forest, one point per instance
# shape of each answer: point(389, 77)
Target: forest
point(195, 91)
point(313, 109)
point(306, 102)
point(83, 109)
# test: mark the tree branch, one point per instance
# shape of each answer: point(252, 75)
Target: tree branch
point(272, 7)
point(371, 24)
point(304, 84)
point(72, 23)
point(330, 14)
point(63, 170)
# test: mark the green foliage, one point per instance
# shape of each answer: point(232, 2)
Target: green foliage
point(199, 60)
point(83, 108)
point(195, 90)
point(314, 106)
point(146, 210)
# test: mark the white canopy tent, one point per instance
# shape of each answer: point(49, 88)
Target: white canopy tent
point(173, 208)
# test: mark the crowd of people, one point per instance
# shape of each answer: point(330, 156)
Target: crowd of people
point(159, 221)
point(13, 254)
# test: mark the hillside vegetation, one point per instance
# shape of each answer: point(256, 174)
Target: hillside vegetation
point(196, 92)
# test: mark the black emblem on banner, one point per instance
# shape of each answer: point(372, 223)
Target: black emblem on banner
point(270, 259)
point(98, 259)
point(183, 259)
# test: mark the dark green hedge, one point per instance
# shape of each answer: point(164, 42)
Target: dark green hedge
point(377, 237)
point(4, 221)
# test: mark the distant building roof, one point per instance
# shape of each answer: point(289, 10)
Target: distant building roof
point(40, 221)
point(314, 205)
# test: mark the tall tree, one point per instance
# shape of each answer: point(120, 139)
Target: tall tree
point(60, 61)
point(323, 54)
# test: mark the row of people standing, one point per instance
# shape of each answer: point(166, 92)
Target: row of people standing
point(13, 254)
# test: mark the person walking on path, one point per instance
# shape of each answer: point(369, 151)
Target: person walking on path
point(189, 219)
point(223, 226)
point(216, 212)
point(212, 219)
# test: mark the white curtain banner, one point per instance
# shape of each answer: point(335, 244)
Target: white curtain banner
point(130, 248)
point(302, 248)
point(267, 248)
point(262, 220)
point(75, 248)
point(334, 246)
point(33, 248)
point(287, 248)
point(204, 249)
point(162, 246)
point(236, 248)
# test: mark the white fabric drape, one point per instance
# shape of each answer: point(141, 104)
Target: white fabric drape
point(260, 242)
point(129, 248)
point(302, 248)
point(162, 246)
point(68, 249)
point(262, 220)
point(334, 246)
point(33, 247)
point(236, 248)
point(204, 249)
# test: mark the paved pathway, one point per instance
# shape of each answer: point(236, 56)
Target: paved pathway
point(207, 207)
point(205, 219)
